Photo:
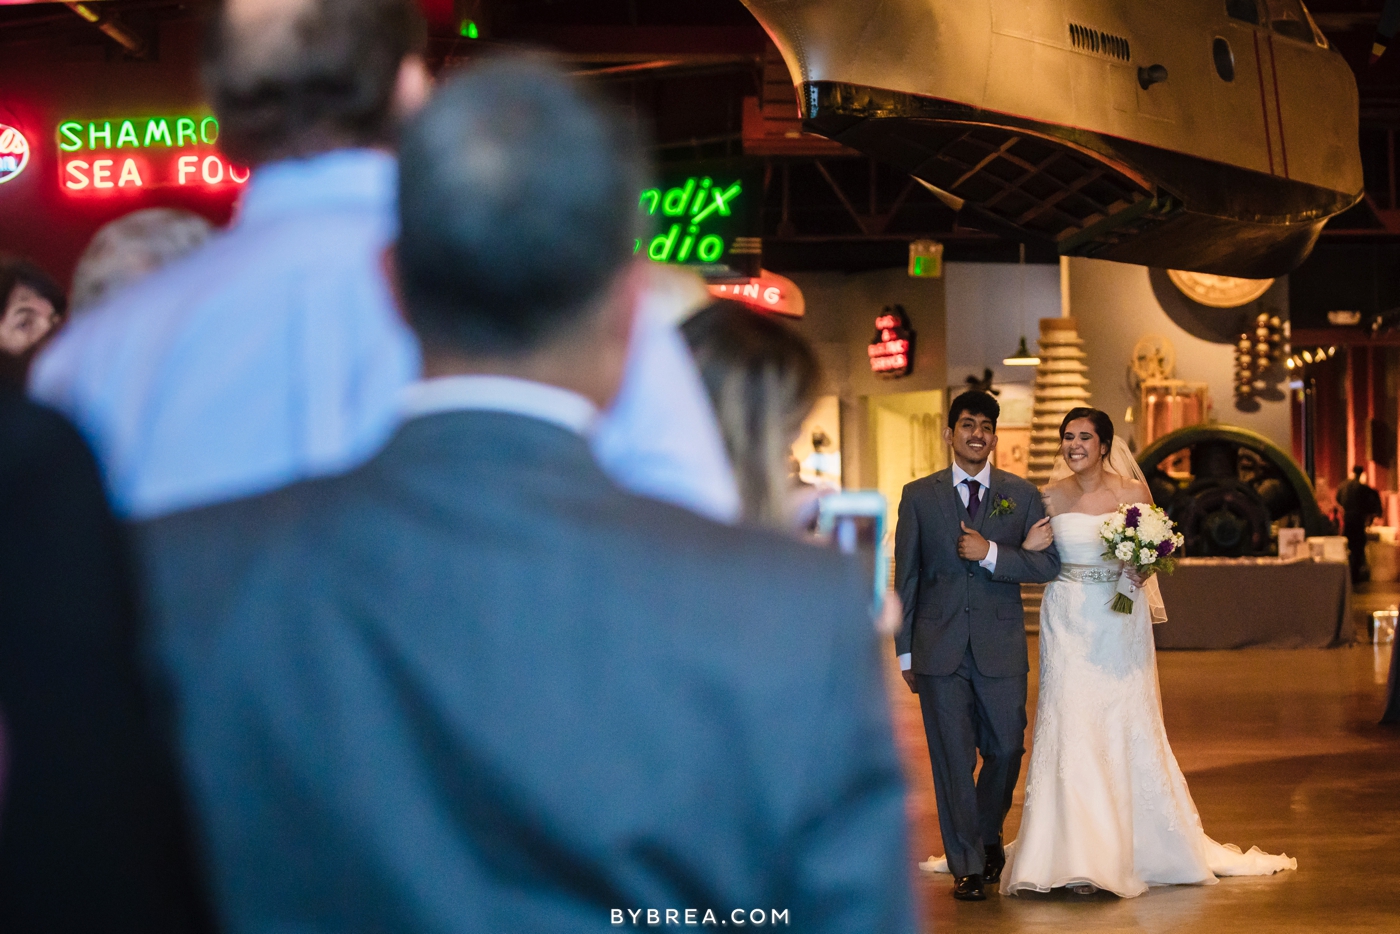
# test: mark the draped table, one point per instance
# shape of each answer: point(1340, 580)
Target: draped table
point(1392, 687)
point(1233, 603)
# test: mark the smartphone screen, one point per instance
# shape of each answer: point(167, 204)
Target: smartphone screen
point(854, 522)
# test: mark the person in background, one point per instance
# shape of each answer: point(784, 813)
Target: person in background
point(32, 307)
point(92, 833)
point(274, 352)
point(659, 438)
point(472, 685)
point(762, 378)
point(1360, 505)
point(132, 247)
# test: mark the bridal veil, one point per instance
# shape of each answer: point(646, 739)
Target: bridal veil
point(1121, 461)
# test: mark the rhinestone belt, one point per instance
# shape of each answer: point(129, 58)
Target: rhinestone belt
point(1088, 573)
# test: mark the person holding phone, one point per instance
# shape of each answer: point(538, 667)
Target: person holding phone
point(762, 378)
point(963, 546)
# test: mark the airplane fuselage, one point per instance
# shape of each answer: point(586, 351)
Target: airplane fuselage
point(1177, 134)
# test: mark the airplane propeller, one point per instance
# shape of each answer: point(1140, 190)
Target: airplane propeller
point(1390, 24)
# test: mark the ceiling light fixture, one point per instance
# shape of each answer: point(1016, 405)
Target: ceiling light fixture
point(1022, 356)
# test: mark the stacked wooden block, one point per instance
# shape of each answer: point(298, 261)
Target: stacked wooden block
point(1061, 383)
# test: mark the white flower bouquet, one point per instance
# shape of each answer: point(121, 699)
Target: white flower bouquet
point(1143, 538)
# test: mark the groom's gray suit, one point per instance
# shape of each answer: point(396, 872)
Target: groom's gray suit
point(964, 628)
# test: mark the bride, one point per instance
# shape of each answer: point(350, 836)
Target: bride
point(1106, 804)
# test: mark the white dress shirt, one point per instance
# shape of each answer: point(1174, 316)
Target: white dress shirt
point(508, 394)
point(660, 437)
point(960, 478)
point(272, 353)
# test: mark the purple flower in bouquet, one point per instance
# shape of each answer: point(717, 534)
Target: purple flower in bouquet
point(1142, 537)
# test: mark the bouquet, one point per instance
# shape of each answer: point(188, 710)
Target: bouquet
point(1142, 537)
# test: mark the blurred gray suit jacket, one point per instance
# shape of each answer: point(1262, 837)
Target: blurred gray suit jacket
point(473, 687)
point(951, 604)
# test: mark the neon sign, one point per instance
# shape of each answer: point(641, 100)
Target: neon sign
point(127, 155)
point(14, 153)
point(768, 291)
point(892, 350)
point(705, 217)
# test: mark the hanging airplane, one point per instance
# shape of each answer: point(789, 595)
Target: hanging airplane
point(1214, 136)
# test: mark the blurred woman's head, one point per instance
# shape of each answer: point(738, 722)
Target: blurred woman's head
point(31, 308)
point(763, 379)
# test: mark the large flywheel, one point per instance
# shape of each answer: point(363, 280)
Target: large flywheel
point(1227, 488)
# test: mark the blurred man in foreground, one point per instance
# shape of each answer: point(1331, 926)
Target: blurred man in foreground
point(275, 352)
point(91, 826)
point(473, 686)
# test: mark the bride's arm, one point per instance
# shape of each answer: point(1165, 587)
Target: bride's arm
point(1021, 565)
point(1041, 537)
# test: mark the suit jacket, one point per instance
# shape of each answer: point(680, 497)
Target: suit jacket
point(950, 603)
point(91, 830)
point(472, 686)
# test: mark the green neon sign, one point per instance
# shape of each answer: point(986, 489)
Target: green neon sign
point(696, 216)
point(137, 133)
point(127, 155)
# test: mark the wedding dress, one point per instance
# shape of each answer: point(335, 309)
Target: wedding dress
point(1106, 804)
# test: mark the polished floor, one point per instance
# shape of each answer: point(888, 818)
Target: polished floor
point(1281, 749)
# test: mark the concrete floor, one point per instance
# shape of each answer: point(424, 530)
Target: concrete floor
point(1281, 749)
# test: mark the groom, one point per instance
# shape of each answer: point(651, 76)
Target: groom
point(959, 565)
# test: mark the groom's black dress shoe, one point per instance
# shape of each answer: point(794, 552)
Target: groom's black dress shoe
point(996, 862)
point(969, 889)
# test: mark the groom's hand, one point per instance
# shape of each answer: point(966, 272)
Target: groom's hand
point(971, 545)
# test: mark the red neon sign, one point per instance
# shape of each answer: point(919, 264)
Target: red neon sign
point(891, 351)
point(767, 292)
point(128, 155)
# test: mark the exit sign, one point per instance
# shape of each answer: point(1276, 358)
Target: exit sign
point(926, 259)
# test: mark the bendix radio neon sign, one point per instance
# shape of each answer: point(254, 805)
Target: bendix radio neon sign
point(131, 154)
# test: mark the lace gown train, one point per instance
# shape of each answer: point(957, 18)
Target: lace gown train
point(1106, 803)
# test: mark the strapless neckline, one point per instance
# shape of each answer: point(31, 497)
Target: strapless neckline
point(1087, 515)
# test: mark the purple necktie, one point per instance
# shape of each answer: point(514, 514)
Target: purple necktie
point(973, 499)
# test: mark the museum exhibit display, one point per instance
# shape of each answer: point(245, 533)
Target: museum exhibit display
point(1091, 125)
point(1169, 405)
point(1229, 491)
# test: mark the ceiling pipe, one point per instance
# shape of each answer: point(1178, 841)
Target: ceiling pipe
point(113, 28)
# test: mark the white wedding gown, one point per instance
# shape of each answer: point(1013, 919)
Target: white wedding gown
point(1106, 804)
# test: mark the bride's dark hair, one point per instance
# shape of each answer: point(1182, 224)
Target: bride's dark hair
point(1103, 425)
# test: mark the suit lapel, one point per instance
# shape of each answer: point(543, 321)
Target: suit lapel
point(948, 497)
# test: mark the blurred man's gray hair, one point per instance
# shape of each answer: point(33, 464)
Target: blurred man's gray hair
point(518, 192)
point(131, 247)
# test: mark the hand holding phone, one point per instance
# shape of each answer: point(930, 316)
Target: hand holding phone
point(855, 521)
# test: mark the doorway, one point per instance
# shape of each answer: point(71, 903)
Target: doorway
point(908, 435)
